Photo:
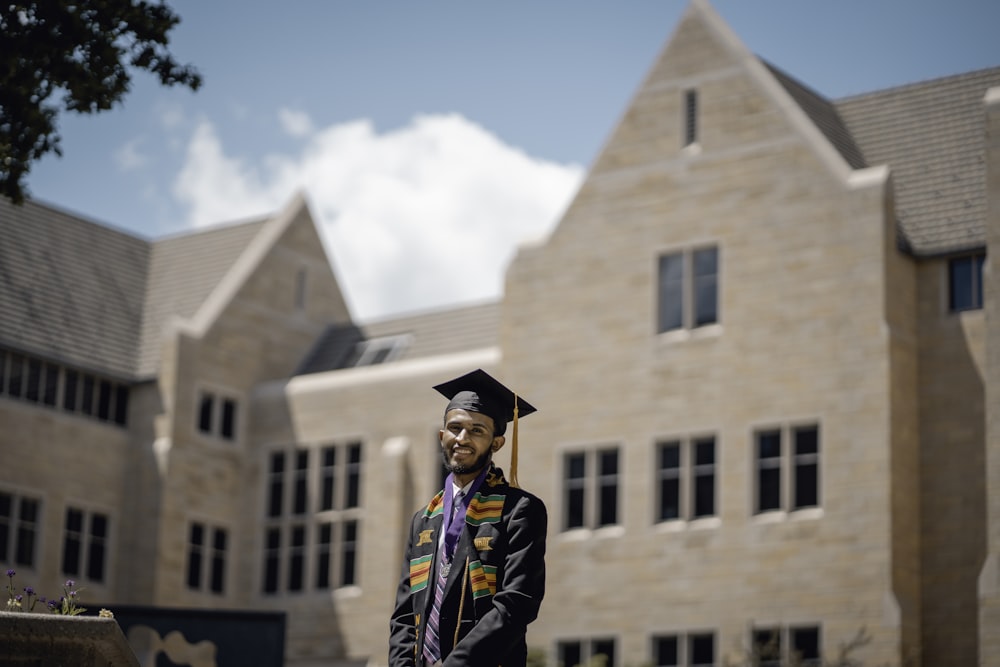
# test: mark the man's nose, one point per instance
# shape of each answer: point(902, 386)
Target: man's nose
point(463, 436)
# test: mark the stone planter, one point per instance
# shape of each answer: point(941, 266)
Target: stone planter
point(54, 640)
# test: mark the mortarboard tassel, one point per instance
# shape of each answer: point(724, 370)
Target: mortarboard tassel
point(513, 451)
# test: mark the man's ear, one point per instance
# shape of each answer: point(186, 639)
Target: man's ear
point(498, 443)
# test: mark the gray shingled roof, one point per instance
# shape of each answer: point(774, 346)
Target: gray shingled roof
point(93, 297)
point(70, 289)
point(458, 329)
point(183, 271)
point(931, 135)
point(823, 113)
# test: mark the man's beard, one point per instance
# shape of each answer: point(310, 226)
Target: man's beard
point(463, 469)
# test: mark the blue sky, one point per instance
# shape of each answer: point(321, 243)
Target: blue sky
point(432, 137)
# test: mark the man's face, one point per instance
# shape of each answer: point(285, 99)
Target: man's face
point(467, 441)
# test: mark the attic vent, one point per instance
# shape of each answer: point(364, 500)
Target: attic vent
point(690, 117)
point(378, 350)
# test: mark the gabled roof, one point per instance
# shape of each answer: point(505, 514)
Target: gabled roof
point(70, 289)
point(94, 297)
point(428, 334)
point(183, 271)
point(931, 135)
point(823, 114)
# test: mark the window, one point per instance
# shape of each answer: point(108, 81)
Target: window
point(69, 391)
point(787, 480)
point(272, 559)
point(217, 415)
point(692, 650)
point(314, 531)
point(15, 376)
point(600, 486)
point(297, 558)
point(18, 529)
point(965, 282)
point(217, 566)
point(87, 397)
point(52, 386)
point(349, 553)
point(774, 647)
point(206, 564)
point(323, 555)
point(328, 478)
point(32, 391)
point(686, 479)
point(688, 289)
point(805, 646)
point(572, 653)
point(378, 350)
point(767, 647)
point(104, 400)
point(690, 117)
point(85, 544)
point(301, 482)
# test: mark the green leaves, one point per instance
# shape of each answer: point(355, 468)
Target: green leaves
point(74, 57)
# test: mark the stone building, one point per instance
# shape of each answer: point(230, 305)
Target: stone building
point(763, 340)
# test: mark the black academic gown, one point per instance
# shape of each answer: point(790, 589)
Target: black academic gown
point(495, 587)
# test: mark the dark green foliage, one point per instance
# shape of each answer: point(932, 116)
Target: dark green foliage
point(77, 56)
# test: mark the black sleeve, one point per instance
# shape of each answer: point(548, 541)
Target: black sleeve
point(402, 623)
point(519, 594)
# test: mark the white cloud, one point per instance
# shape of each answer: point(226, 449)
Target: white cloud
point(128, 157)
point(295, 123)
point(422, 216)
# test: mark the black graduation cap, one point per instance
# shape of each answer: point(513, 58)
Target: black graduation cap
point(480, 392)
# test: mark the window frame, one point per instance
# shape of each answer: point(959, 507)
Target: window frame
point(206, 564)
point(679, 297)
point(684, 648)
point(53, 386)
point(218, 414)
point(16, 527)
point(690, 125)
point(687, 473)
point(972, 301)
point(786, 468)
point(586, 647)
point(784, 634)
point(379, 350)
point(591, 488)
point(313, 511)
point(94, 550)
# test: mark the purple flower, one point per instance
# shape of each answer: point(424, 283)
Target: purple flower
point(70, 583)
point(11, 573)
point(18, 598)
point(29, 590)
point(72, 594)
point(53, 604)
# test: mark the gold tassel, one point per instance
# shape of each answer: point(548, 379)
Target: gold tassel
point(513, 451)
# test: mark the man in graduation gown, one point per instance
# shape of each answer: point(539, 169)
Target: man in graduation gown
point(474, 570)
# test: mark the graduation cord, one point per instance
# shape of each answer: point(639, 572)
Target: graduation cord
point(461, 603)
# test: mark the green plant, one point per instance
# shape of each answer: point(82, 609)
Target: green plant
point(66, 605)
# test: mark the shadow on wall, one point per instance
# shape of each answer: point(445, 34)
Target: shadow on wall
point(203, 638)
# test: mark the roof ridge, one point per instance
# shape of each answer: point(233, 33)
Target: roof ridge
point(213, 227)
point(935, 81)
